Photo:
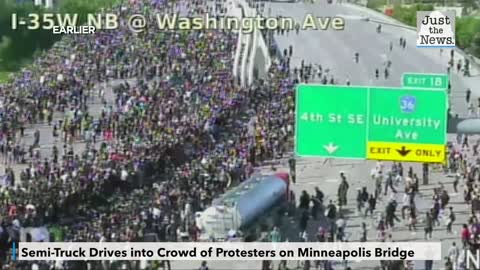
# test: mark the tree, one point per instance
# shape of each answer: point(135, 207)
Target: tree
point(465, 29)
point(475, 48)
point(376, 4)
point(405, 14)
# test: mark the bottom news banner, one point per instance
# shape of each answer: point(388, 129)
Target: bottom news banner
point(229, 251)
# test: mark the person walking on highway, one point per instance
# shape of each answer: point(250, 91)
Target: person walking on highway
point(428, 226)
point(316, 207)
point(444, 199)
point(303, 221)
point(390, 214)
point(362, 199)
point(478, 107)
point(428, 265)
point(342, 191)
point(36, 136)
point(341, 224)
point(475, 148)
point(412, 220)
point(363, 232)
point(448, 264)
point(466, 68)
point(319, 195)
point(435, 213)
point(372, 202)
point(275, 235)
point(282, 265)
point(203, 266)
point(306, 265)
point(381, 231)
point(465, 235)
point(453, 254)
point(468, 95)
point(359, 200)
point(291, 165)
point(331, 212)
point(405, 204)
point(304, 201)
point(470, 109)
point(450, 219)
point(457, 176)
point(389, 183)
point(465, 140)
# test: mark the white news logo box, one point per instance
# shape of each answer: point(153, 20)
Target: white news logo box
point(435, 29)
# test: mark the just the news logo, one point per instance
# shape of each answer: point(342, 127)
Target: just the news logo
point(435, 29)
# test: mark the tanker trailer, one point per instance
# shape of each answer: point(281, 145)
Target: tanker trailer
point(239, 208)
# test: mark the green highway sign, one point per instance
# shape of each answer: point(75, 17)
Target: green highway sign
point(323, 122)
point(404, 119)
point(425, 81)
point(370, 122)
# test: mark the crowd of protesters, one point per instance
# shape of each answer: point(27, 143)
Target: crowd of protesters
point(168, 142)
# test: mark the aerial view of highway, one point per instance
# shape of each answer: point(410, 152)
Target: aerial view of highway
point(226, 121)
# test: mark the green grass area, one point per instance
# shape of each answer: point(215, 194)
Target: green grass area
point(376, 4)
point(4, 76)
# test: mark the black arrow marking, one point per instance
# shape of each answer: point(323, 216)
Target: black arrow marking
point(403, 152)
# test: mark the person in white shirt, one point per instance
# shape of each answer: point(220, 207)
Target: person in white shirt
point(124, 175)
point(405, 204)
point(304, 236)
point(341, 225)
point(376, 174)
point(453, 254)
point(398, 179)
point(460, 263)
point(379, 166)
